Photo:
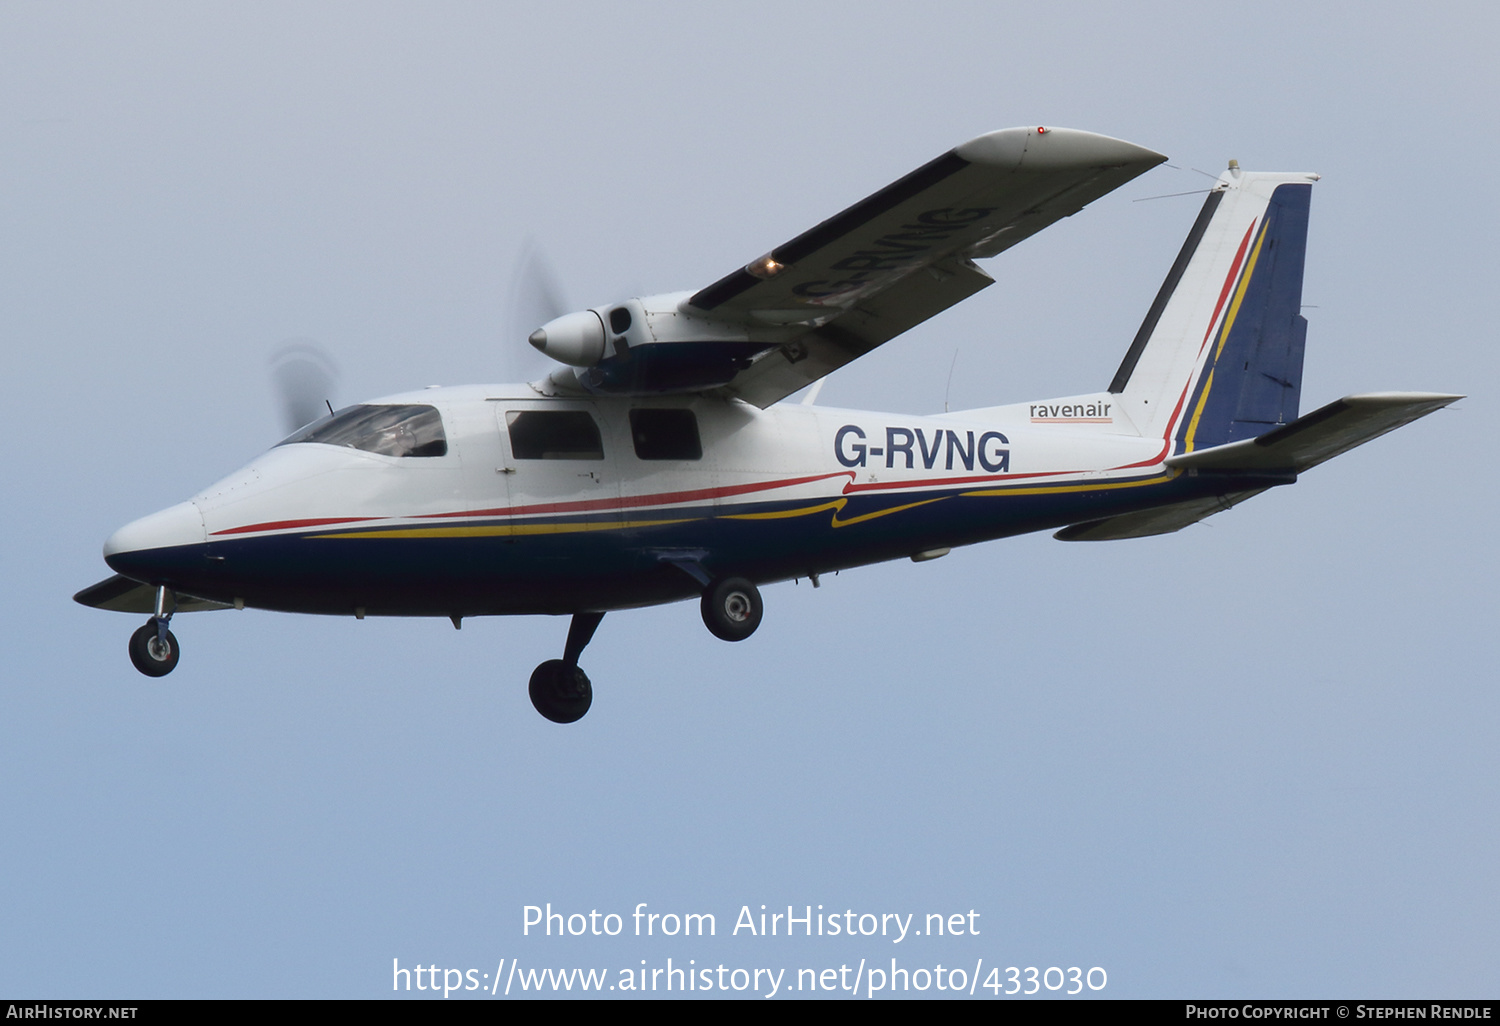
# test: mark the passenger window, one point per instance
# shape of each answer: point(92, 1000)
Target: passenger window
point(665, 435)
point(553, 435)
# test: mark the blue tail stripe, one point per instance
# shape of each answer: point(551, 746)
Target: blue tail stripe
point(1257, 375)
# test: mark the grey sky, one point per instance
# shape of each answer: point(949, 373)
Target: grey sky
point(1252, 759)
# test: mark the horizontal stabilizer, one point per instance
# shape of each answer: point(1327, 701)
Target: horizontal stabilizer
point(1319, 436)
point(122, 595)
point(1162, 520)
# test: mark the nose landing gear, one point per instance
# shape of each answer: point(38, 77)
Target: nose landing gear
point(559, 688)
point(153, 648)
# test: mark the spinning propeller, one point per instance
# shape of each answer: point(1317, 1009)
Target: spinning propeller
point(302, 376)
point(535, 297)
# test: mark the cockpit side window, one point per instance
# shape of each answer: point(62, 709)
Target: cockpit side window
point(385, 430)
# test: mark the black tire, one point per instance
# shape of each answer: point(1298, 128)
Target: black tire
point(560, 692)
point(147, 653)
point(732, 609)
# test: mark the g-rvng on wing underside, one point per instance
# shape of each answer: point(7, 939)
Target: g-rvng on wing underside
point(841, 289)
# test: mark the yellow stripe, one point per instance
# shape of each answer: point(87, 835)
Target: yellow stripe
point(1057, 489)
point(836, 505)
point(880, 513)
point(1229, 318)
point(783, 514)
point(1192, 431)
point(509, 530)
point(1239, 293)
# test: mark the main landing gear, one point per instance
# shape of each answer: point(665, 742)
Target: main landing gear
point(561, 691)
point(559, 688)
point(153, 648)
point(732, 608)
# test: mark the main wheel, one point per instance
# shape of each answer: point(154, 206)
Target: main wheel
point(732, 609)
point(560, 692)
point(150, 655)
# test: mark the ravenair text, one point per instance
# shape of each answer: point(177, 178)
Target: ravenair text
point(1071, 413)
point(907, 448)
point(806, 921)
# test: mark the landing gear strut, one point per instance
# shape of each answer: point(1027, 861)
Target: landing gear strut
point(732, 608)
point(559, 689)
point(153, 648)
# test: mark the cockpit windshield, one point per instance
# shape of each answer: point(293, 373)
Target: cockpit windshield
point(386, 430)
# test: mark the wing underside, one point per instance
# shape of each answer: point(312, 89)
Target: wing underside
point(905, 253)
point(120, 594)
point(859, 279)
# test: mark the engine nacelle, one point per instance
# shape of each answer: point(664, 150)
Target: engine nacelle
point(653, 345)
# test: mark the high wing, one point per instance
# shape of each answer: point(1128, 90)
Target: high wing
point(905, 253)
point(860, 278)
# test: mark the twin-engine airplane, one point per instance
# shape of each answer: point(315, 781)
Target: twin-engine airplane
point(659, 464)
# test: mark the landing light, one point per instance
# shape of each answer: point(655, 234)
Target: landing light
point(766, 267)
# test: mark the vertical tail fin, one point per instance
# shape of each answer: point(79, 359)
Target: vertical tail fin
point(1219, 355)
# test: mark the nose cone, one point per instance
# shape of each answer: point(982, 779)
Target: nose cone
point(576, 339)
point(126, 550)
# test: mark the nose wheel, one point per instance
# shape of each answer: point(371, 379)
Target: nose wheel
point(153, 648)
point(559, 688)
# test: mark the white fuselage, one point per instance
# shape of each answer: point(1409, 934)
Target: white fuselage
point(781, 492)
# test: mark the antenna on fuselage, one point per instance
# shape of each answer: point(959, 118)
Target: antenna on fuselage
point(948, 390)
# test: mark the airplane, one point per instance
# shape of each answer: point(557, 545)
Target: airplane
point(659, 463)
